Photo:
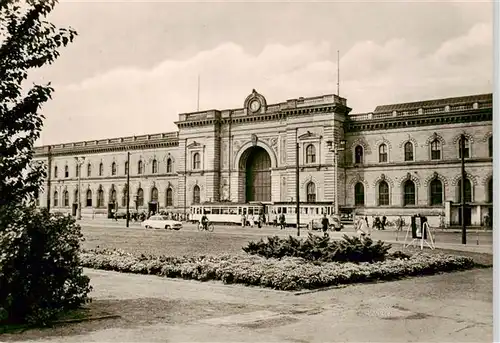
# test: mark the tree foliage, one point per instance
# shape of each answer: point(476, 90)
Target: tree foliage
point(40, 273)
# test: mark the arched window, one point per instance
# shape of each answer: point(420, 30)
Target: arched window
point(154, 167)
point(490, 146)
point(76, 197)
point(382, 153)
point(358, 154)
point(55, 172)
point(435, 150)
point(490, 190)
point(196, 195)
point(169, 165)
point(140, 197)
point(359, 194)
point(124, 197)
point(125, 167)
point(113, 196)
point(310, 154)
point(383, 193)
point(139, 167)
point(196, 161)
point(154, 194)
point(408, 151)
point(169, 197)
point(436, 192)
point(101, 169)
point(468, 191)
point(100, 198)
point(77, 170)
point(66, 198)
point(409, 193)
point(56, 199)
point(467, 148)
point(311, 192)
point(66, 171)
point(89, 170)
point(89, 198)
point(113, 168)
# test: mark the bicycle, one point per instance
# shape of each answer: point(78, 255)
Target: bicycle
point(209, 227)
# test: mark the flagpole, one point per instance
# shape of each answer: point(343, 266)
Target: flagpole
point(338, 73)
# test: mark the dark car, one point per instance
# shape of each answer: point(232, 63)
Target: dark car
point(335, 224)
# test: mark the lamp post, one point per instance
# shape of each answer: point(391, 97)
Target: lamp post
point(79, 162)
point(335, 147)
point(462, 188)
point(128, 189)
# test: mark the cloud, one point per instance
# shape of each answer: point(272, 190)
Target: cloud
point(128, 101)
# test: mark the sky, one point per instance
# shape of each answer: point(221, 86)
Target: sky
point(134, 66)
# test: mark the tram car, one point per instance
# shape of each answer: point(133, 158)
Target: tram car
point(310, 213)
point(226, 212)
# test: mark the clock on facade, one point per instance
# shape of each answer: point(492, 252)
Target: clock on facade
point(254, 105)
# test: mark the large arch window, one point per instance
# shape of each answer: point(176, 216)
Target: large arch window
point(310, 154)
point(436, 192)
point(490, 190)
point(258, 175)
point(140, 197)
point(468, 191)
point(140, 167)
point(196, 194)
point(169, 197)
point(435, 150)
point(113, 168)
point(196, 161)
point(169, 165)
point(56, 199)
point(382, 153)
point(89, 170)
point(409, 193)
point(101, 169)
point(490, 146)
point(154, 167)
point(358, 154)
point(124, 197)
point(100, 198)
point(311, 192)
point(66, 171)
point(383, 193)
point(409, 151)
point(89, 198)
point(466, 150)
point(66, 199)
point(154, 195)
point(359, 194)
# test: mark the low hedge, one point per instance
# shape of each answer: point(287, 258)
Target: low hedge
point(289, 273)
point(318, 248)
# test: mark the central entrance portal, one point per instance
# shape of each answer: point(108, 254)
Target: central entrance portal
point(258, 175)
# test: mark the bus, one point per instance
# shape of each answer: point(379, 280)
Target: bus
point(308, 212)
point(225, 212)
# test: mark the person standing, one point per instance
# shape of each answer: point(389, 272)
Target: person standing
point(251, 220)
point(325, 224)
point(243, 220)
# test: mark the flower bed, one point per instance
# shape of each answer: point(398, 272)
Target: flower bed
point(289, 273)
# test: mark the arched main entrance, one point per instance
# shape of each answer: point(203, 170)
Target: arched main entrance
point(258, 175)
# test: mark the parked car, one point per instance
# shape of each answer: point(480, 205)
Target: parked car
point(335, 224)
point(161, 222)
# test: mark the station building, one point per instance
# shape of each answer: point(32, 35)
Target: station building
point(400, 159)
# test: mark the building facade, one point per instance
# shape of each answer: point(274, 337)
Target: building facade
point(400, 159)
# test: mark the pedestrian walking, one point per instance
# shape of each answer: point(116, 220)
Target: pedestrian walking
point(325, 224)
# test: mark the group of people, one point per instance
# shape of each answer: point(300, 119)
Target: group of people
point(253, 219)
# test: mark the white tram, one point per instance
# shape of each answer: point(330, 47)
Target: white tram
point(308, 212)
point(225, 212)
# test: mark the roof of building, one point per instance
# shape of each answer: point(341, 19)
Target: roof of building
point(434, 103)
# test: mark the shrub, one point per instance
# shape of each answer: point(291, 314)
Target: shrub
point(318, 248)
point(40, 272)
point(288, 273)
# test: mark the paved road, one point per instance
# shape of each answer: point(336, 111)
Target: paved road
point(485, 239)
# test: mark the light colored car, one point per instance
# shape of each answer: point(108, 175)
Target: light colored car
point(161, 222)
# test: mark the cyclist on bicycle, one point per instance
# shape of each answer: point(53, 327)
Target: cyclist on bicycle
point(204, 221)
